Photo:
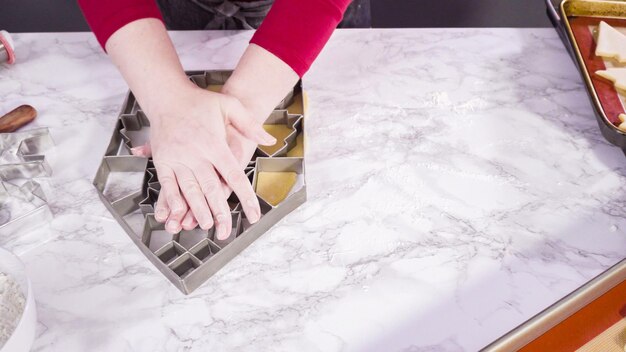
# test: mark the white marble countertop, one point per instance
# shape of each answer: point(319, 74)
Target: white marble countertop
point(458, 184)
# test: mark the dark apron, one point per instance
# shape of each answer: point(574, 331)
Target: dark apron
point(232, 14)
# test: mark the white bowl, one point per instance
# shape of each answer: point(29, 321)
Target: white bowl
point(22, 338)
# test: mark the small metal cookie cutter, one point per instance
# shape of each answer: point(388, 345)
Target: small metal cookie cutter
point(21, 154)
point(24, 207)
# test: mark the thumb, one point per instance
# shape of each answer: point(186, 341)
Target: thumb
point(241, 119)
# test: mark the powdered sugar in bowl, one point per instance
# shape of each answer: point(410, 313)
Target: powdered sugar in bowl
point(18, 316)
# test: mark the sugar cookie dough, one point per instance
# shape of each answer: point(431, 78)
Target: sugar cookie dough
point(280, 132)
point(298, 149)
point(215, 87)
point(274, 187)
point(296, 107)
point(611, 43)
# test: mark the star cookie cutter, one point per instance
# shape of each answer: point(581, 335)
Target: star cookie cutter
point(22, 154)
point(22, 208)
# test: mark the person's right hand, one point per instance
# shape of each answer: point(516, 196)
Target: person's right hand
point(192, 158)
point(242, 148)
point(188, 124)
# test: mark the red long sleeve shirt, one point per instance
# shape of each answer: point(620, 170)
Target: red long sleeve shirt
point(294, 30)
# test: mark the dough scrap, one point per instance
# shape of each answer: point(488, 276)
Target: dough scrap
point(611, 43)
point(274, 187)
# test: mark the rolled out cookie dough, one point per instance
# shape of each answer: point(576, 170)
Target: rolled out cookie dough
point(298, 149)
point(215, 87)
point(274, 187)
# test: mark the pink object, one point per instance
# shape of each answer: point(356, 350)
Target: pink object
point(7, 42)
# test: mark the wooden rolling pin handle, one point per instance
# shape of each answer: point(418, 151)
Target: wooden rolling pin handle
point(17, 118)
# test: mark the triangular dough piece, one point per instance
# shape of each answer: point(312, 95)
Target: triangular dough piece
point(615, 75)
point(274, 187)
point(611, 43)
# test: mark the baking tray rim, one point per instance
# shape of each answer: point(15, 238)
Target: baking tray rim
point(556, 313)
point(564, 11)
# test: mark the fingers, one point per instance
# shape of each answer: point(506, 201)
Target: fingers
point(239, 183)
point(172, 199)
point(213, 190)
point(142, 150)
point(189, 221)
point(247, 125)
point(161, 210)
point(194, 196)
point(242, 148)
point(186, 196)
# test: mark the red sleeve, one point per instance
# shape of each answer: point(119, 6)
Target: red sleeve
point(105, 17)
point(297, 30)
point(294, 30)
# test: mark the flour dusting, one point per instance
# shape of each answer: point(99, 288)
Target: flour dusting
point(11, 306)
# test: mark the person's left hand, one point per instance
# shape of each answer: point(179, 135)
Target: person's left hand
point(242, 148)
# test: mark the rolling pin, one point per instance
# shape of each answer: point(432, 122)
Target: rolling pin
point(17, 118)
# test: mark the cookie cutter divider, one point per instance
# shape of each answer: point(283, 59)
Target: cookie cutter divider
point(204, 249)
point(130, 202)
point(282, 164)
point(292, 121)
point(133, 124)
point(205, 78)
point(187, 268)
point(197, 277)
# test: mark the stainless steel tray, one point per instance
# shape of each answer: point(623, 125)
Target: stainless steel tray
point(128, 186)
point(524, 334)
point(561, 13)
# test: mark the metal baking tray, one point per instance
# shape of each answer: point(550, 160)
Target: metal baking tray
point(570, 19)
point(541, 323)
point(128, 185)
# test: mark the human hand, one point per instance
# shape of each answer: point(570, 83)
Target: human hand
point(194, 160)
point(242, 148)
point(189, 125)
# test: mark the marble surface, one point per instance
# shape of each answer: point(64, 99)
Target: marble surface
point(458, 184)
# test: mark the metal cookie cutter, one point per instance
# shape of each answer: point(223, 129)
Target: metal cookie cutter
point(292, 122)
point(129, 187)
point(20, 205)
point(21, 154)
point(21, 157)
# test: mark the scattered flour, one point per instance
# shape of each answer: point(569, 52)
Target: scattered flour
point(11, 306)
